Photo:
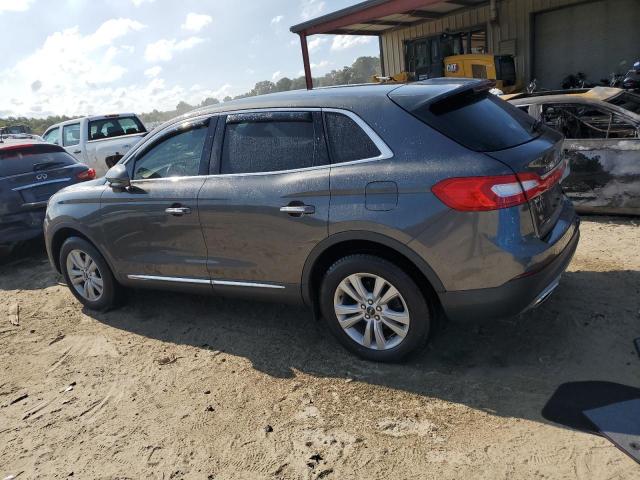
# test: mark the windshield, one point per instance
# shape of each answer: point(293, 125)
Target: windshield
point(628, 101)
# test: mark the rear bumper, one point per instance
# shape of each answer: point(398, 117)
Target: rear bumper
point(21, 226)
point(515, 296)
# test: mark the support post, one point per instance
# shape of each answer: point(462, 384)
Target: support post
point(305, 60)
point(383, 72)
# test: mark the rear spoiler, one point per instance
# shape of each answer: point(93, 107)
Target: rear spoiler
point(418, 95)
point(16, 148)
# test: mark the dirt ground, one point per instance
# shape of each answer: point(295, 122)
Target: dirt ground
point(176, 386)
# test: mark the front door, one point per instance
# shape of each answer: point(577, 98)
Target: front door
point(152, 229)
point(603, 150)
point(267, 203)
point(71, 141)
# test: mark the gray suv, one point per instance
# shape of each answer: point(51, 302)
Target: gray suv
point(381, 207)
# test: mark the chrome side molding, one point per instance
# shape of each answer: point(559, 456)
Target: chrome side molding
point(202, 281)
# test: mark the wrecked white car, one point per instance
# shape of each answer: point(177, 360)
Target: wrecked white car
point(602, 130)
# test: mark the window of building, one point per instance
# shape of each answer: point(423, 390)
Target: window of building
point(347, 141)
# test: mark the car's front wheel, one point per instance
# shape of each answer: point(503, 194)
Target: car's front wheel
point(87, 275)
point(374, 308)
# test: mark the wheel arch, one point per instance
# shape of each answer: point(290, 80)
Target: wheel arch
point(347, 243)
point(61, 235)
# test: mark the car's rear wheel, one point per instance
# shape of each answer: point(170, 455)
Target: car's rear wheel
point(87, 275)
point(374, 308)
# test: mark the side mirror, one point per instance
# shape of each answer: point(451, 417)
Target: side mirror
point(118, 177)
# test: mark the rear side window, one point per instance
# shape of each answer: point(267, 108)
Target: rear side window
point(478, 120)
point(271, 142)
point(347, 141)
point(33, 159)
point(114, 127)
point(71, 135)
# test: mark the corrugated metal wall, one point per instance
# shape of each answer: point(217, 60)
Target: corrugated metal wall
point(511, 35)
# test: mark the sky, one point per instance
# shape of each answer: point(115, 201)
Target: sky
point(85, 57)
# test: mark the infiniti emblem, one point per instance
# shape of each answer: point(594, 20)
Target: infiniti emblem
point(41, 176)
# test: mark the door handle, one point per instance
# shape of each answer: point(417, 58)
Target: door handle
point(178, 211)
point(77, 151)
point(298, 210)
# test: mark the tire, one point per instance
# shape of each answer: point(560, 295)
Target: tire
point(409, 307)
point(81, 264)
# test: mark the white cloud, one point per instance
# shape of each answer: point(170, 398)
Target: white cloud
point(277, 19)
point(15, 5)
point(196, 22)
point(137, 3)
point(45, 82)
point(164, 49)
point(342, 42)
point(316, 66)
point(153, 71)
point(276, 75)
point(314, 44)
point(322, 64)
point(312, 8)
point(85, 86)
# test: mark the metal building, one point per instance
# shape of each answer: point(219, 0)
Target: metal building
point(549, 39)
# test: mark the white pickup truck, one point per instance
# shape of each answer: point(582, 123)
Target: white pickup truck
point(98, 141)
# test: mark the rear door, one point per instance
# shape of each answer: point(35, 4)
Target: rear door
point(266, 204)
point(152, 228)
point(603, 149)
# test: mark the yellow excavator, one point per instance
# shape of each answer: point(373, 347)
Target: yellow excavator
point(500, 68)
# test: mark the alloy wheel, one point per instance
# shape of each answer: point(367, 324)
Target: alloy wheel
point(85, 275)
point(371, 311)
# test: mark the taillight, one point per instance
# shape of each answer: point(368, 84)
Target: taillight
point(475, 194)
point(89, 174)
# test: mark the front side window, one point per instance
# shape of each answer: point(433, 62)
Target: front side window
point(71, 135)
point(347, 141)
point(177, 156)
point(270, 142)
point(52, 136)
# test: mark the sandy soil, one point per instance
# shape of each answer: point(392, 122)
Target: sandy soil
point(176, 386)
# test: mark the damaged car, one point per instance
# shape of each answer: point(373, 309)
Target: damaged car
point(602, 142)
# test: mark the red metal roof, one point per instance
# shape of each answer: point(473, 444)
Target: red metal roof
point(374, 17)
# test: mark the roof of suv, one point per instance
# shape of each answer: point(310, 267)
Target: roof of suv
point(345, 96)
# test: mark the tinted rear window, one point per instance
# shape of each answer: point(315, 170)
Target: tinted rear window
point(114, 127)
point(27, 160)
point(478, 120)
